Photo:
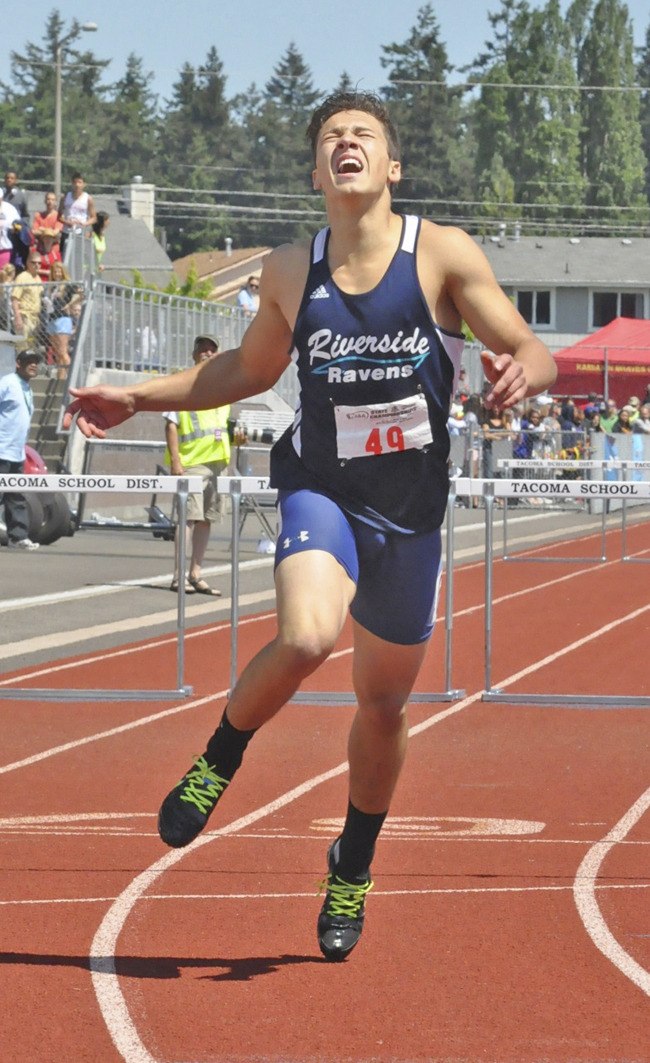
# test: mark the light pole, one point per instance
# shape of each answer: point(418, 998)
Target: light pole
point(87, 27)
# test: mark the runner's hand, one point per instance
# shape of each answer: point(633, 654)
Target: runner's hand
point(98, 409)
point(508, 380)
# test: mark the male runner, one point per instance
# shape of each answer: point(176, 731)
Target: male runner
point(371, 314)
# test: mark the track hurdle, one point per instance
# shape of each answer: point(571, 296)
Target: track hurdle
point(180, 486)
point(259, 488)
point(628, 466)
point(546, 465)
point(491, 489)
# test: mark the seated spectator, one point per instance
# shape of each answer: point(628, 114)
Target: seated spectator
point(9, 216)
point(15, 195)
point(99, 237)
point(249, 298)
point(61, 302)
point(26, 300)
point(49, 218)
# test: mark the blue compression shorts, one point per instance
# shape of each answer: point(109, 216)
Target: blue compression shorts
point(397, 576)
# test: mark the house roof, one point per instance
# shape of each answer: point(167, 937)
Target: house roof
point(228, 271)
point(558, 261)
point(129, 244)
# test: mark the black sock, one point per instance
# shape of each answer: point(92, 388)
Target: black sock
point(357, 844)
point(225, 750)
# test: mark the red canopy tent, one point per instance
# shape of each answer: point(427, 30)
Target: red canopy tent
point(614, 361)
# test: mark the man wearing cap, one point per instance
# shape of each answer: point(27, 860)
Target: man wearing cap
point(198, 445)
point(16, 409)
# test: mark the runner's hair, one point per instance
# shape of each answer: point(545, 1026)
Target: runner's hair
point(354, 101)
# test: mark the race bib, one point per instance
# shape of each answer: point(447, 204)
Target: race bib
point(382, 428)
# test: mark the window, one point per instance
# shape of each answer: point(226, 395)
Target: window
point(534, 306)
point(605, 306)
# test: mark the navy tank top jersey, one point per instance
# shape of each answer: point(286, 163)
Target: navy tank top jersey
point(376, 378)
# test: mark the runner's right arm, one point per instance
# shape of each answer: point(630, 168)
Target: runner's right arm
point(234, 375)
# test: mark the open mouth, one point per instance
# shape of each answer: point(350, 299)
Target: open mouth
point(349, 165)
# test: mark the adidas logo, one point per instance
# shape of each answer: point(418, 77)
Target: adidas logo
point(320, 293)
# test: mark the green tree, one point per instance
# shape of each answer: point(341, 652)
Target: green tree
point(129, 126)
point(194, 150)
point(643, 77)
point(528, 112)
point(427, 112)
point(612, 148)
point(31, 94)
point(275, 123)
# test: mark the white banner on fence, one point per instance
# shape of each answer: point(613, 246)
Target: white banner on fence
point(248, 485)
point(163, 485)
point(567, 463)
point(554, 488)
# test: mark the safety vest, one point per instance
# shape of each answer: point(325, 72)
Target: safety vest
point(202, 437)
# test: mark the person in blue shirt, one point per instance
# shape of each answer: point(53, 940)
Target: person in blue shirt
point(16, 409)
point(370, 312)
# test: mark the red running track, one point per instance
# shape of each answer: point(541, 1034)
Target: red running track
point(510, 917)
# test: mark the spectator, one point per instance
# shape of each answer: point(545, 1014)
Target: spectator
point(27, 299)
point(60, 302)
point(15, 195)
point(16, 409)
point(47, 245)
point(7, 275)
point(99, 237)
point(198, 445)
point(76, 210)
point(249, 297)
point(609, 417)
point(9, 217)
point(494, 429)
point(642, 422)
point(623, 423)
point(49, 217)
point(635, 402)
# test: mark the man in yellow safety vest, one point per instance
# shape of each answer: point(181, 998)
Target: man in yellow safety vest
point(198, 445)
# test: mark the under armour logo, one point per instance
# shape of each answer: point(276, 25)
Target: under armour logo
point(301, 537)
point(320, 293)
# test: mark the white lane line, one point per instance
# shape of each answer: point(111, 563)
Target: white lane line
point(87, 739)
point(309, 895)
point(95, 590)
point(604, 630)
point(112, 1004)
point(125, 651)
point(133, 623)
point(584, 893)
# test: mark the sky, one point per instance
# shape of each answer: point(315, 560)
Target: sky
point(333, 36)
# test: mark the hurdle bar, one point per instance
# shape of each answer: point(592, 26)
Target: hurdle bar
point(491, 489)
point(259, 487)
point(560, 464)
point(180, 486)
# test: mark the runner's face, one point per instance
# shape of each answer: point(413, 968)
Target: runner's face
point(352, 155)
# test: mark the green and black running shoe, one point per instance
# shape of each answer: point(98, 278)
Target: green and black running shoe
point(186, 810)
point(341, 918)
